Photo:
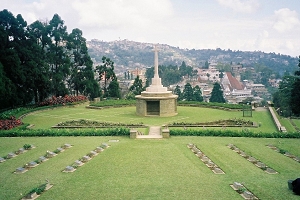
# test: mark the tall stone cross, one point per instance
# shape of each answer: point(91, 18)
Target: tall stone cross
point(155, 62)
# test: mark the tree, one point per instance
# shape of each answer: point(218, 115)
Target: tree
point(295, 93)
point(282, 98)
point(137, 86)
point(188, 93)
point(82, 75)
point(114, 89)
point(197, 93)
point(106, 72)
point(58, 58)
point(206, 65)
point(217, 94)
point(177, 91)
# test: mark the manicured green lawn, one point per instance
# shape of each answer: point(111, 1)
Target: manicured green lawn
point(48, 118)
point(149, 169)
point(297, 122)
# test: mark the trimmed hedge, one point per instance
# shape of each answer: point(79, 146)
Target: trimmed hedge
point(121, 102)
point(231, 133)
point(211, 105)
point(65, 132)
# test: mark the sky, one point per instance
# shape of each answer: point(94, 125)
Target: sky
point(246, 25)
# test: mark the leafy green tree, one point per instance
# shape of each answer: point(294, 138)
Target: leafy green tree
point(137, 86)
point(58, 58)
point(197, 93)
point(106, 72)
point(114, 89)
point(282, 98)
point(217, 94)
point(177, 91)
point(295, 93)
point(206, 65)
point(188, 92)
point(82, 75)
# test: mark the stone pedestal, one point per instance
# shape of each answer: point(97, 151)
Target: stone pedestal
point(166, 133)
point(133, 134)
point(156, 104)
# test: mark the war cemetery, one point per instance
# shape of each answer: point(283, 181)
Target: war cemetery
point(154, 147)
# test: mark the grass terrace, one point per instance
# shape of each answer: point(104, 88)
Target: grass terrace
point(150, 169)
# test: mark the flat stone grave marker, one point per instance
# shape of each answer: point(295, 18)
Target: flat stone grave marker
point(60, 149)
point(104, 145)
point(78, 163)
point(20, 170)
point(210, 164)
point(66, 146)
point(237, 185)
point(93, 153)
point(50, 154)
point(297, 159)
point(21, 150)
point(2, 160)
point(270, 171)
point(251, 159)
point(42, 159)
point(69, 169)
point(217, 170)
point(11, 155)
point(199, 154)
point(205, 159)
point(289, 155)
point(99, 149)
point(248, 195)
point(31, 196)
point(190, 145)
point(85, 158)
point(261, 165)
point(32, 164)
point(244, 154)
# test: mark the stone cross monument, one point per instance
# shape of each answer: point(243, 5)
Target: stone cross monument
point(156, 100)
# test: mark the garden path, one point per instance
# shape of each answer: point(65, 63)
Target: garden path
point(154, 133)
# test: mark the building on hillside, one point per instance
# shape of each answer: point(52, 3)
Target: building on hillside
point(259, 90)
point(210, 74)
point(233, 90)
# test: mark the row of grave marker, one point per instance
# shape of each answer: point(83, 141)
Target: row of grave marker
point(22, 150)
point(86, 158)
point(208, 162)
point(243, 191)
point(41, 159)
point(294, 157)
point(253, 160)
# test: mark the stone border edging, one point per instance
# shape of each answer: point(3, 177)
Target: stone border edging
point(16, 153)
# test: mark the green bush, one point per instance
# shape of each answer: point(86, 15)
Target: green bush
point(121, 102)
point(64, 132)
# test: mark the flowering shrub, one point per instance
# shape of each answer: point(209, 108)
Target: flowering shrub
point(10, 123)
point(63, 100)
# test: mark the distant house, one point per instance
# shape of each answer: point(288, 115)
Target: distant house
point(233, 90)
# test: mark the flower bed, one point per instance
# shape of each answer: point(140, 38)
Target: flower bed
point(10, 123)
point(94, 124)
point(225, 123)
point(63, 100)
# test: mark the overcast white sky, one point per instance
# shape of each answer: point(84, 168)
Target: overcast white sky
point(248, 25)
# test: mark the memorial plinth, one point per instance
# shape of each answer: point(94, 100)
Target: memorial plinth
point(156, 100)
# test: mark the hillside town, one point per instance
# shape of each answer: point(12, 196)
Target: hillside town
point(235, 88)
